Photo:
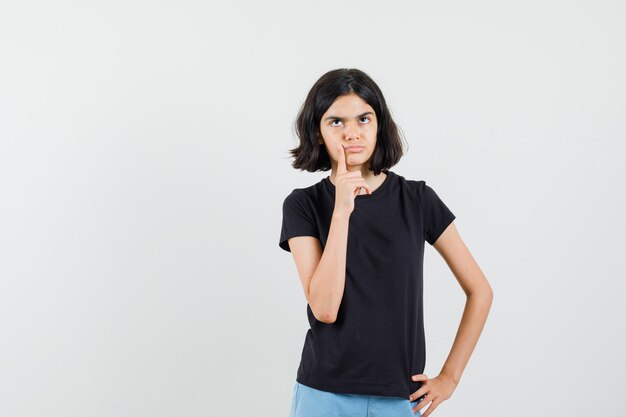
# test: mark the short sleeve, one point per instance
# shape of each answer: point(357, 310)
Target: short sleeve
point(297, 220)
point(437, 216)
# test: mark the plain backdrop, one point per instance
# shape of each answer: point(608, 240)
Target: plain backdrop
point(144, 163)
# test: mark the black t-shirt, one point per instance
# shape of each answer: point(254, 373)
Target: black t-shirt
point(377, 341)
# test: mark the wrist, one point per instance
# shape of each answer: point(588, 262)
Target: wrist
point(341, 214)
point(450, 377)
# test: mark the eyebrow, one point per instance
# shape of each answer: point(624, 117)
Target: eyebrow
point(357, 117)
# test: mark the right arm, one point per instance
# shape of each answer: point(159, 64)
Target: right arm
point(323, 273)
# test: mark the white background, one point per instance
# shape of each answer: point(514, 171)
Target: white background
point(144, 163)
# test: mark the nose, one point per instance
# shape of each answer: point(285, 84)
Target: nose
point(351, 131)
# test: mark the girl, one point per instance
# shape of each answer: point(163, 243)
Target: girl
point(357, 239)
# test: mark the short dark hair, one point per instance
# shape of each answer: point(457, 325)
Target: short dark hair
point(312, 156)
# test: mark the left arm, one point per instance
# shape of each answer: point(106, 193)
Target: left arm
point(479, 298)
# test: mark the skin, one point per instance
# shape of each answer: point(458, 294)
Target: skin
point(479, 297)
point(350, 121)
point(322, 272)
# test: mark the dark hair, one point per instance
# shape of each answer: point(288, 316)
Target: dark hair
point(312, 156)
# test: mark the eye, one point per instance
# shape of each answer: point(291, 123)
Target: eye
point(333, 121)
point(366, 118)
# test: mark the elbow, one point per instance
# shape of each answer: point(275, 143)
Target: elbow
point(328, 318)
point(488, 296)
point(323, 313)
point(325, 317)
point(490, 292)
point(483, 291)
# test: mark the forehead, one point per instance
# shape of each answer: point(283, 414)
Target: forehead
point(349, 104)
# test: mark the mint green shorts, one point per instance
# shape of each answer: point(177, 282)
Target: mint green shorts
point(311, 402)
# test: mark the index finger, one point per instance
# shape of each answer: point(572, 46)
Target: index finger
point(341, 163)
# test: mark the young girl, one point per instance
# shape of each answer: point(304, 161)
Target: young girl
point(357, 239)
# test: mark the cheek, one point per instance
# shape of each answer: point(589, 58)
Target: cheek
point(326, 132)
point(329, 139)
point(332, 152)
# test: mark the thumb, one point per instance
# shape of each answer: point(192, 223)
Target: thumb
point(419, 377)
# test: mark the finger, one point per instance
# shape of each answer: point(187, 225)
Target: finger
point(418, 395)
point(419, 377)
point(358, 191)
point(354, 174)
point(361, 184)
point(430, 408)
point(341, 162)
point(417, 409)
point(420, 405)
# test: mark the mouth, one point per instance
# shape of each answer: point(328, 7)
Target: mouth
point(355, 148)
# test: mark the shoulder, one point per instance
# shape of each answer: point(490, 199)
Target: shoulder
point(301, 194)
point(414, 185)
point(295, 200)
point(419, 189)
point(303, 198)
